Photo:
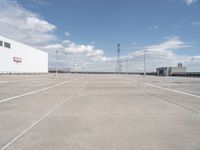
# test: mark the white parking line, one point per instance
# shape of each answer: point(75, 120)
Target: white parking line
point(33, 92)
point(34, 124)
point(43, 117)
point(172, 90)
point(13, 81)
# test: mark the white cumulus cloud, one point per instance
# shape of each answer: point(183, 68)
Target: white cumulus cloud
point(38, 25)
point(23, 25)
point(88, 50)
point(69, 47)
point(164, 54)
point(53, 47)
point(189, 2)
point(67, 33)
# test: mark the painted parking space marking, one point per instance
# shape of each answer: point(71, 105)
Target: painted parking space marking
point(33, 92)
point(44, 116)
point(172, 90)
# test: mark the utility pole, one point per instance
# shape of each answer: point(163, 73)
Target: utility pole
point(118, 63)
point(75, 64)
point(127, 66)
point(145, 51)
point(56, 63)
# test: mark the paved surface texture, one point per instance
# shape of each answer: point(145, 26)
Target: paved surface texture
point(99, 112)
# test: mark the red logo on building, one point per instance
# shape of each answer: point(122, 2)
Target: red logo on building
point(17, 59)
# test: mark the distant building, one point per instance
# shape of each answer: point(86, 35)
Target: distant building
point(169, 71)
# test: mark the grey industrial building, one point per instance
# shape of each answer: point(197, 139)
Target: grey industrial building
point(170, 71)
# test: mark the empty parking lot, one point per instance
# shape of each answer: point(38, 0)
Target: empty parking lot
point(99, 112)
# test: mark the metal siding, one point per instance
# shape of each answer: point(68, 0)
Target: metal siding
point(33, 60)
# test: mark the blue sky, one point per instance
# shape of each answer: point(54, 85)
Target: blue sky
point(169, 29)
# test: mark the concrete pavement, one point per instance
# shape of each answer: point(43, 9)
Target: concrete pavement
point(99, 112)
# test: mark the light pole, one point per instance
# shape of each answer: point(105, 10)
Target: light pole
point(75, 65)
point(56, 63)
point(127, 66)
point(145, 51)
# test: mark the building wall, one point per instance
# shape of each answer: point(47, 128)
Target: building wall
point(177, 70)
point(164, 70)
point(168, 71)
point(32, 60)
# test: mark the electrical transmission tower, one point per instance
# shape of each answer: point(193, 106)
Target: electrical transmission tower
point(118, 63)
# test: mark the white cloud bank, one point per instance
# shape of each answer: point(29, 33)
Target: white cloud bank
point(164, 54)
point(37, 25)
point(189, 2)
point(69, 47)
point(53, 47)
point(158, 55)
point(22, 25)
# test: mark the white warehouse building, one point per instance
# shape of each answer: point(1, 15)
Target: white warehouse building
point(16, 57)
